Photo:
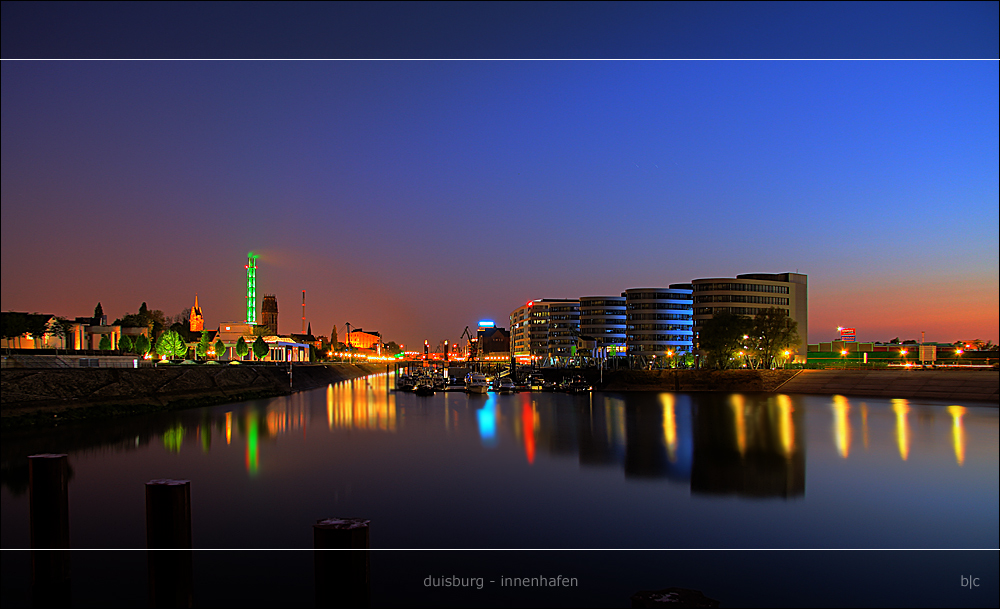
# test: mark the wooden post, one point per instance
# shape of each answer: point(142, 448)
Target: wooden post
point(341, 561)
point(168, 539)
point(48, 492)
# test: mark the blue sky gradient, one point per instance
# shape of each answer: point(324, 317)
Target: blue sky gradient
point(416, 197)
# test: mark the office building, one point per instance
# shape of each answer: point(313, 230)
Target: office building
point(603, 319)
point(659, 321)
point(751, 293)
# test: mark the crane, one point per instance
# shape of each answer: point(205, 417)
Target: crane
point(467, 334)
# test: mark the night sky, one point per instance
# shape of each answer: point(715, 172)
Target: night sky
point(417, 197)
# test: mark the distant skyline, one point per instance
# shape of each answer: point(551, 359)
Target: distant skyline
point(416, 197)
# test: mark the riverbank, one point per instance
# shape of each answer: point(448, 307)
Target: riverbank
point(959, 385)
point(940, 384)
point(49, 396)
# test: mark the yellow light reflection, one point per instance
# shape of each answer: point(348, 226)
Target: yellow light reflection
point(841, 425)
point(669, 425)
point(229, 427)
point(957, 432)
point(786, 427)
point(864, 424)
point(901, 408)
point(329, 406)
point(358, 405)
point(738, 406)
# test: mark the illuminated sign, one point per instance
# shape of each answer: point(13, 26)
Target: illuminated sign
point(848, 335)
point(486, 323)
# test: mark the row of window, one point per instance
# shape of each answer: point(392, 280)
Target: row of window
point(734, 310)
point(641, 327)
point(680, 349)
point(663, 338)
point(771, 300)
point(656, 296)
point(659, 316)
point(602, 303)
point(620, 311)
point(602, 322)
point(740, 287)
point(640, 306)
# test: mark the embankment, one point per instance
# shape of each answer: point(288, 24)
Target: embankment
point(47, 396)
point(961, 385)
point(958, 385)
point(694, 380)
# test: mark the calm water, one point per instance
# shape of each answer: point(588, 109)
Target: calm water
point(543, 471)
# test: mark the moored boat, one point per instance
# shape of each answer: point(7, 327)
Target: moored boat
point(476, 383)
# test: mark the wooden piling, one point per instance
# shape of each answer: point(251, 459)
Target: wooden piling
point(342, 562)
point(48, 490)
point(168, 539)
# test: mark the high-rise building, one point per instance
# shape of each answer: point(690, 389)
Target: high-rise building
point(659, 321)
point(545, 328)
point(603, 318)
point(197, 321)
point(750, 293)
point(269, 313)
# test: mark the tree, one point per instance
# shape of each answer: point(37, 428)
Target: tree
point(184, 330)
point(391, 348)
point(260, 348)
point(203, 345)
point(773, 333)
point(721, 338)
point(126, 344)
point(241, 348)
point(142, 345)
point(13, 324)
point(105, 343)
point(220, 349)
point(171, 344)
point(98, 314)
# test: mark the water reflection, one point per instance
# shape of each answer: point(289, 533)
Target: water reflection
point(957, 432)
point(902, 409)
point(749, 448)
point(715, 444)
point(841, 426)
point(487, 418)
point(360, 404)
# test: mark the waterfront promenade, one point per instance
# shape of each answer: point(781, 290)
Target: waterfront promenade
point(955, 385)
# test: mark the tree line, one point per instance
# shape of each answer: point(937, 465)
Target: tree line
point(736, 341)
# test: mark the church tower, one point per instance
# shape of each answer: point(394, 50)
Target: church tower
point(197, 322)
point(269, 313)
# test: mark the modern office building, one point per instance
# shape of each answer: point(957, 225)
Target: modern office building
point(750, 293)
point(545, 328)
point(603, 319)
point(659, 321)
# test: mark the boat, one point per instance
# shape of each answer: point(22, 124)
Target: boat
point(424, 388)
point(578, 384)
point(455, 384)
point(405, 383)
point(476, 382)
point(505, 385)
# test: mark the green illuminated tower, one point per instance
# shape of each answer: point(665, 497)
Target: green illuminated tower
point(251, 288)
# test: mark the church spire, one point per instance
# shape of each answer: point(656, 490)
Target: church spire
point(197, 321)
